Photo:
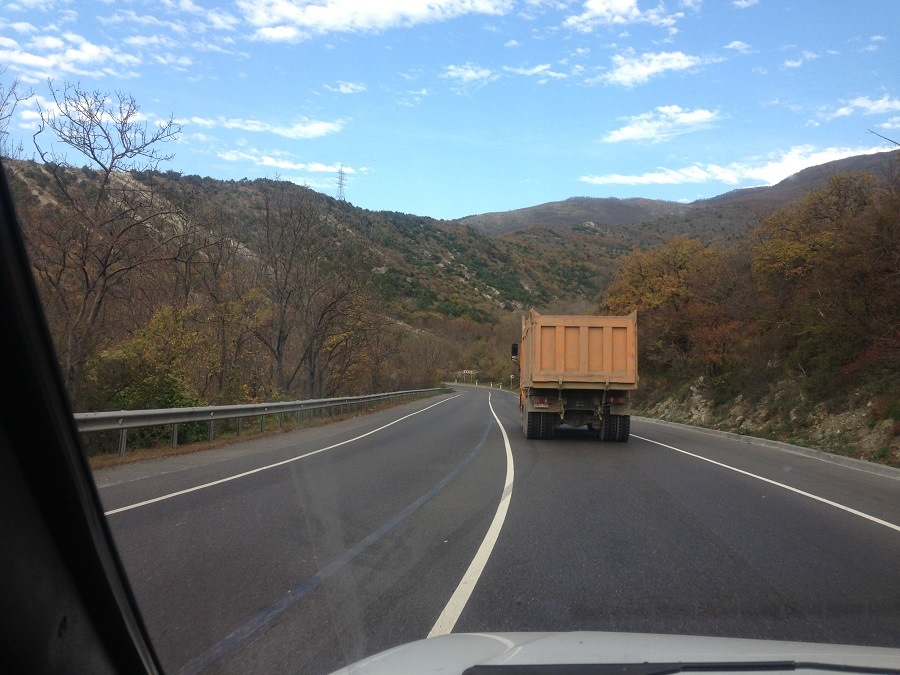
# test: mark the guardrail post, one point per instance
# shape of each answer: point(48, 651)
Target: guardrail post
point(262, 424)
point(281, 420)
point(211, 429)
point(123, 439)
point(175, 435)
point(240, 425)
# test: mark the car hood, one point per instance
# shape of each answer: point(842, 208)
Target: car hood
point(455, 653)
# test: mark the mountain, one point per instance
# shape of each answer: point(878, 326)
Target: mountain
point(575, 211)
point(721, 218)
point(557, 256)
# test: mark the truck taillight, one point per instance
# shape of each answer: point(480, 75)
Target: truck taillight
point(615, 399)
point(540, 400)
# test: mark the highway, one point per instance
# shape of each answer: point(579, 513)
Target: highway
point(308, 550)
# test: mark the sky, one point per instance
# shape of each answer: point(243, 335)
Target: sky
point(448, 108)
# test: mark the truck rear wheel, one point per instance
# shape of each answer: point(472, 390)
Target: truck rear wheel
point(615, 428)
point(531, 424)
point(623, 427)
point(606, 429)
point(546, 425)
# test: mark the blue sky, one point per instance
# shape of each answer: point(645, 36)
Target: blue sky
point(455, 107)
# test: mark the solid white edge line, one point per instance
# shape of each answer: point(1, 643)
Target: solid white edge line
point(271, 466)
point(776, 483)
point(448, 618)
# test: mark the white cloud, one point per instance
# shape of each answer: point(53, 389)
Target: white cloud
point(221, 20)
point(149, 41)
point(278, 33)
point(210, 18)
point(132, 18)
point(875, 42)
point(46, 43)
point(743, 4)
point(738, 46)
point(70, 54)
point(796, 63)
point(760, 171)
point(32, 5)
point(663, 123)
point(469, 73)
point(280, 160)
point(179, 62)
point(23, 27)
point(413, 98)
point(618, 13)
point(543, 71)
point(346, 87)
point(511, 43)
point(893, 123)
point(301, 130)
point(866, 106)
point(291, 20)
point(629, 70)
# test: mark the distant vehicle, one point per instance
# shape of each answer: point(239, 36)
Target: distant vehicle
point(577, 370)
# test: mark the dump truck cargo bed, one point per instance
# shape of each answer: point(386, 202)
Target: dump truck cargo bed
point(579, 352)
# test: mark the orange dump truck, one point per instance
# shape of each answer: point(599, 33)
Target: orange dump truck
point(577, 370)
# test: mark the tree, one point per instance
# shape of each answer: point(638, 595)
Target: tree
point(695, 304)
point(657, 283)
point(830, 269)
point(97, 226)
point(10, 97)
point(316, 317)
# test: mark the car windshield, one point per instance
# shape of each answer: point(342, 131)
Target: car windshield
point(383, 321)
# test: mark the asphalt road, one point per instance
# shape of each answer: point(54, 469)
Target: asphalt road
point(263, 557)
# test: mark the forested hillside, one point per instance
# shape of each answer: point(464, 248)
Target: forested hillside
point(799, 322)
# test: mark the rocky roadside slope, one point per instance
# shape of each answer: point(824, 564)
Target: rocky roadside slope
point(786, 415)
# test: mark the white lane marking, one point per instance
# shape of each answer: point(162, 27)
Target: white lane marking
point(448, 618)
point(781, 485)
point(272, 466)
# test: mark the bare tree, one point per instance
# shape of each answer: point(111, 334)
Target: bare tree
point(316, 317)
point(10, 97)
point(97, 225)
point(227, 275)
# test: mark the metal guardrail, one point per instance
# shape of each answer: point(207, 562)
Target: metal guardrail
point(123, 420)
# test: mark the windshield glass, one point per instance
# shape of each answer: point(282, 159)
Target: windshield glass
point(473, 316)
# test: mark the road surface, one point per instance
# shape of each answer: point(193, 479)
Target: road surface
point(306, 551)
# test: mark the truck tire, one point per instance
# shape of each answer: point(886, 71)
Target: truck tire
point(531, 424)
point(546, 425)
point(623, 428)
point(606, 430)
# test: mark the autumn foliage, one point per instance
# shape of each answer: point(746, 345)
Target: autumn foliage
point(814, 292)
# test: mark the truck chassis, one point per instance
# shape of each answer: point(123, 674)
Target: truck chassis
point(606, 413)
